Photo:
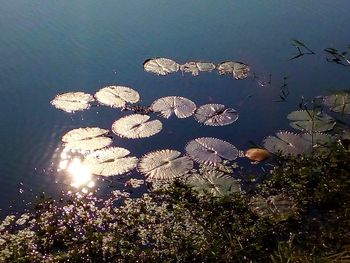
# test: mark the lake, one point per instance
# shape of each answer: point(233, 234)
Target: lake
point(52, 47)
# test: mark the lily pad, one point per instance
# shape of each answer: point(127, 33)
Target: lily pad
point(161, 66)
point(180, 106)
point(294, 144)
point(117, 96)
point(279, 207)
point(190, 67)
point(312, 121)
point(338, 102)
point(215, 115)
point(215, 183)
point(86, 139)
point(110, 161)
point(210, 151)
point(136, 126)
point(73, 101)
point(237, 69)
point(205, 66)
point(164, 165)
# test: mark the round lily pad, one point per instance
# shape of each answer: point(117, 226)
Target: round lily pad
point(215, 115)
point(136, 126)
point(164, 165)
point(180, 106)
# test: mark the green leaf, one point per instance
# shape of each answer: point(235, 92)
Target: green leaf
point(338, 102)
point(312, 121)
point(215, 183)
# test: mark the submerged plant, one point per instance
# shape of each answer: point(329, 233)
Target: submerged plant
point(73, 101)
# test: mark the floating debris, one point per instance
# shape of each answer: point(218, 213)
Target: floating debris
point(134, 183)
point(86, 139)
point(136, 126)
point(257, 154)
point(237, 69)
point(73, 101)
point(215, 183)
point(312, 121)
point(164, 165)
point(110, 161)
point(210, 151)
point(294, 144)
point(180, 106)
point(161, 66)
point(117, 96)
point(215, 115)
point(338, 102)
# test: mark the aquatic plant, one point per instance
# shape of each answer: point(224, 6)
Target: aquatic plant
point(179, 106)
point(339, 102)
point(214, 183)
point(215, 115)
point(311, 121)
point(291, 143)
point(194, 67)
point(161, 66)
point(117, 96)
point(86, 139)
point(73, 101)
point(136, 126)
point(210, 151)
point(110, 161)
point(164, 165)
point(237, 69)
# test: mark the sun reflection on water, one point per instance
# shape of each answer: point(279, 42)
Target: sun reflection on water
point(79, 175)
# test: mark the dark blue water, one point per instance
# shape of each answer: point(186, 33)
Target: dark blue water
point(50, 47)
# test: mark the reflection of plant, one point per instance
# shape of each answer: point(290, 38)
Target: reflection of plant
point(302, 49)
point(338, 57)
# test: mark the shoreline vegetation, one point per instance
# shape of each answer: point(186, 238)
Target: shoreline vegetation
point(298, 213)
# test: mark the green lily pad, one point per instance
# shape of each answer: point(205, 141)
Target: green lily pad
point(215, 183)
point(312, 121)
point(338, 102)
point(279, 207)
point(294, 144)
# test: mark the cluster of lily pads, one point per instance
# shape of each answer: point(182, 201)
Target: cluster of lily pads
point(94, 143)
point(102, 159)
point(165, 66)
point(314, 124)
